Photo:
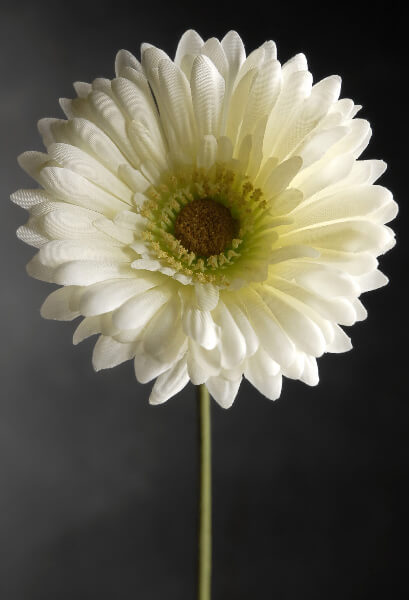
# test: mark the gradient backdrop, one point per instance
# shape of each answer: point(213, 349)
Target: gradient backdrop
point(97, 488)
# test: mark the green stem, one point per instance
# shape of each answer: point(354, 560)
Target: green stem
point(205, 496)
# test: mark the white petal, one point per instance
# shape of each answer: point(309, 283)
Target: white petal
point(109, 353)
point(296, 368)
point(287, 253)
point(329, 173)
point(294, 91)
point(223, 390)
point(295, 64)
point(361, 312)
point(366, 171)
point(125, 59)
point(207, 87)
point(57, 305)
point(109, 295)
point(207, 152)
point(324, 94)
point(115, 233)
point(199, 325)
point(189, 43)
point(147, 264)
point(88, 326)
point(45, 128)
point(264, 374)
point(242, 322)
point(151, 58)
point(87, 272)
point(85, 135)
point(57, 252)
point(309, 113)
point(233, 343)
point(134, 179)
point(353, 235)
point(29, 198)
point(31, 234)
point(340, 343)
point(109, 117)
point(304, 332)
point(163, 337)
point(37, 270)
point(170, 383)
point(252, 63)
point(354, 201)
point(354, 263)
point(135, 98)
point(132, 221)
point(68, 222)
point(286, 202)
point(33, 162)
point(263, 94)
point(357, 139)
point(147, 368)
point(372, 281)
point(202, 363)
point(244, 152)
point(282, 175)
point(224, 149)
point(238, 102)
point(175, 100)
point(207, 296)
point(150, 147)
point(235, 54)
point(320, 279)
point(80, 162)
point(136, 312)
point(66, 105)
point(213, 49)
point(102, 84)
point(339, 310)
point(271, 336)
point(232, 374)
point(385, 213)
point(314, 147)
point(310, 372)
point(75, 189)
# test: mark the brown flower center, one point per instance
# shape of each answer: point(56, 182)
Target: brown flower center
point(205, 227)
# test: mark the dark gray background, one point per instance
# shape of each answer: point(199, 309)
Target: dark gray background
point(97, 489)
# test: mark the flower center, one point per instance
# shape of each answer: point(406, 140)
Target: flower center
point(205, 227)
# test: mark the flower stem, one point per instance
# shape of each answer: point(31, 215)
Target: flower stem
point(205, 496)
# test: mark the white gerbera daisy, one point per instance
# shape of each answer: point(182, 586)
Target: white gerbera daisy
point(208, 217)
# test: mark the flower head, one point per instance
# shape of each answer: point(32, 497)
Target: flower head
point(208, 217)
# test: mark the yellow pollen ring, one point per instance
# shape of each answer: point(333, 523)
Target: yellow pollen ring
point(198, 221)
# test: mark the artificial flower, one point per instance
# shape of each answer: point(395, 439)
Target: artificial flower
point(208, 217)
